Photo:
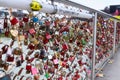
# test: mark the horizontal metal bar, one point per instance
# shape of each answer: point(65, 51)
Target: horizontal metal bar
point(71, 3)
point(46, 8)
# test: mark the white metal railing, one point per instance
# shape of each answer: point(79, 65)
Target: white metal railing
point(48, 8)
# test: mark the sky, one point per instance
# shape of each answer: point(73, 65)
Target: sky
point(98, 4)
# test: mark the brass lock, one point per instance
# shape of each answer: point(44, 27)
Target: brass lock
point(35, 6)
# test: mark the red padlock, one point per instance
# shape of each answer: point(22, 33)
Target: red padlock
point(71, 58)
point(28, 67)
point(56, 42)
point(60, 78)
point(48, 36)
point(21, 24)
point(7, 32)
point(62, 59)
point(45, 41)
point(64, 46)
point(10, 58)
point(25, 19)
point(31, 46)
point(56, 66)
point(14, 21)
point(80, 62)
point(76, 77)
point(67, 66)
point(62, 53)
point(47, 23)
point(32, 31)
point(64, 64)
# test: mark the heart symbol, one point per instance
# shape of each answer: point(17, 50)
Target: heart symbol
point(14, 33)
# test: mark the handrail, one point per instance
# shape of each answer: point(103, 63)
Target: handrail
point(45, 8)
point(71, 3)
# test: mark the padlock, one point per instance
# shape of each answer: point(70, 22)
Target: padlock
point(25, 18)
point(7, 33)
point(14, 32)
point(32, 31)
point(47, 75)
point(36, 55)
point(83, 41)
point(26, 41)
point(60, 78)
point(34, 70)
point(48, 36)
point(36, 77)
point(35, 19)
point(35, 6)
point(64, 46)
point(13, 21)
point(5, 22)
point(31, 46)
point(45, 40)
point(28, 67)
point(18, 62)
point(4, 49)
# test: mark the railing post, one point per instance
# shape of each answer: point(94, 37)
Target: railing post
point(94, 47)
point(114, 39)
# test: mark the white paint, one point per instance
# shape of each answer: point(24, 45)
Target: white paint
point(47, 8)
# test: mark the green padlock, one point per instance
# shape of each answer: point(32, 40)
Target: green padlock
point(57, 48)
point(83, 41)
point(45, 58)
point(47, 75)
point(66, 38)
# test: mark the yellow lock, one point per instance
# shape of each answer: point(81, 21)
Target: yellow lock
point(35, 6)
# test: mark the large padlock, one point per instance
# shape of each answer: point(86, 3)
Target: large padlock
point(13, 21)
point(35, 6)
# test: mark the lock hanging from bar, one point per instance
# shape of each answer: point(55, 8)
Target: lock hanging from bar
point(35, 6)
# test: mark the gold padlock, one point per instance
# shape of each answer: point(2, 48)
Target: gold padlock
point(35, 6)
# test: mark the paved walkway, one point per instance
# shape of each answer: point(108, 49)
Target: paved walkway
point(112, 71)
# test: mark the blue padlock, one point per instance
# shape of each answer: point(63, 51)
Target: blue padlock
point(35, 19)
point(41, 23)
point(64, 33)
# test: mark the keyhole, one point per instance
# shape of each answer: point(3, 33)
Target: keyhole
point(36, 6)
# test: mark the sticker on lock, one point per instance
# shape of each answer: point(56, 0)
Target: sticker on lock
point(35, 6)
